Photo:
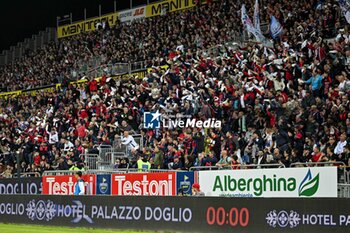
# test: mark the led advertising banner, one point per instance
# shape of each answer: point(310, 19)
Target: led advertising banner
point(180, 214)
point(24, 185)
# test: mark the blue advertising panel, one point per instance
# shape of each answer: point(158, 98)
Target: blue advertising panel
point(184, 181)
point(103, 186)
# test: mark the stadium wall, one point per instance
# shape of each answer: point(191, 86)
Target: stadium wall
point(184, 214)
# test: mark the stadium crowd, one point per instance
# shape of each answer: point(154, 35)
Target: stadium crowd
point(285, 104)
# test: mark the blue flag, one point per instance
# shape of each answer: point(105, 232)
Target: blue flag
point(276, 28)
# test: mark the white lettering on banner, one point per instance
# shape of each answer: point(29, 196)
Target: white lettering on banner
point(292, 219)
point(130, 15)
point(120, 212)
point(344, 220)
point(11, 208)
point(64, 188)
point(318, 219)
point(168, 214)
point(46, 210)
point(77, 211)
point(287, 182)
point(144, 187)
point(31, 188)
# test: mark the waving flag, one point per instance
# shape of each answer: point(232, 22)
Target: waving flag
point(257, 16)
point(247, 23)
point(345, 8)
point(276, 28)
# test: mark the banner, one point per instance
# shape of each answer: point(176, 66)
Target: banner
point(64, 185)
point(180, 214)
point(184, 181)
point(345, 8)
point(276, 28)
point(155, 9)
point(247, 23)
point(138, 74)
point(144, 184)
point(103, 184)
point(85, 26)
point(23, 185)
point(130, 15)
point(257, 16)
point(287, 182)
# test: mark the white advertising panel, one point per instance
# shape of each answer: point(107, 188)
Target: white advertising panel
point(129, 15)
point(286, 182)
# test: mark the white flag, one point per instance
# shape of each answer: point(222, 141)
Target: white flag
point(247, 23)
point(257, 16)
point(345, 8)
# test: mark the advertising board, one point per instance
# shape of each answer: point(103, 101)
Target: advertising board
point(184, 181)
point(155, 9)
point(145, 184)
point(103, 184)
point(24, 185)
point(132, 14)
point(287, 182)
point(64, 185)
point(85, 25)
point(180, 214)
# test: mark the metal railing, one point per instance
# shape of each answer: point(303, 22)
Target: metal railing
point(91, 161)
point(61, 172)
point(109, 171)
point(95, 68)
point(108, 154)
point(238, 166)
point(119, 147)
point(343, 174)
point(28, 174)
point(317, 164)
point(258, 166)
point(209, 168)
point(344, 190)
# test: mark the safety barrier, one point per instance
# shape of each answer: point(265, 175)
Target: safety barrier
point(343, 173)
point(199, 168)
point(316, 164)
point(108, 171)
point(344, 190)
point(29, 174)
point(119, 147)
point(91, 161)
point(238, 166)
point(258, 166)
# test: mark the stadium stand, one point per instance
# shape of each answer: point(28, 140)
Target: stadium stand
point(279, 105)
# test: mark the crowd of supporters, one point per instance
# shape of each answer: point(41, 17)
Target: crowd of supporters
point(285, 104)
